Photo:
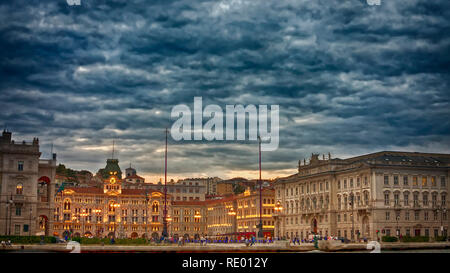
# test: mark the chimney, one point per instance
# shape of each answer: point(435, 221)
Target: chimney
point(6, 137)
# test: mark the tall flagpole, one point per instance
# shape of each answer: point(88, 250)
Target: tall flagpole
point(164, 233)
point(112, 156)
point(260, 231)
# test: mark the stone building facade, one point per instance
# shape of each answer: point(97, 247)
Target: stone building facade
point(369, 196)
point(27, 185)
point(188, 219)
point(181, 190)
point(240, 214)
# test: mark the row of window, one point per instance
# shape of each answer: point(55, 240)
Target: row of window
point(426, 215)
point(415, 181)
point(308, 186)
point(351, 183)
point(352, 200)
point(304, 220)
point(425, 200)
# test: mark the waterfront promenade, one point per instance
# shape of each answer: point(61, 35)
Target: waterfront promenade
point(223, 248)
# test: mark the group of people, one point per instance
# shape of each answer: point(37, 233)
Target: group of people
point(6, 243)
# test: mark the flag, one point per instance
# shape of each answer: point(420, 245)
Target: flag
point(61, 188)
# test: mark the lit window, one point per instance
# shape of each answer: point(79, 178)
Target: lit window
point(424, 181)
point(19, 189)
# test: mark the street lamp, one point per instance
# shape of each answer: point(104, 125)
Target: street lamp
point(278, 209)
point(351, 215)
point(29, 228)
point(97, 213)
point(83, 215)
point(442, 210)
point(169, 221)
point(146, 212)
point(115, 206)
point(233, 214)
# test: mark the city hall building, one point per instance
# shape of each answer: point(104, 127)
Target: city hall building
point(110, 211)
point(369, 196)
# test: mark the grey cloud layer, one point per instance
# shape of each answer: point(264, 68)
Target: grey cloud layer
point(349, 78)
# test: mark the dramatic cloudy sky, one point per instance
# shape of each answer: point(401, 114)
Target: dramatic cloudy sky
point(349, 78)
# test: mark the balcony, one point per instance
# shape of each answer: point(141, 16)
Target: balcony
point(18, 198)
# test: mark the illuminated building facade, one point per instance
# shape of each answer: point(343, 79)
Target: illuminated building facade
point(189, 219)
point(240, 214)
point(110, 211)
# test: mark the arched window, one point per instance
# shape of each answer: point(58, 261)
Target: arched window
point(155, 207)
point(19, 189)
point(67, 204)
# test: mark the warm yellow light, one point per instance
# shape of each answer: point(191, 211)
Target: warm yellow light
point(197, 215)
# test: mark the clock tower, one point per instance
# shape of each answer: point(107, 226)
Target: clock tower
point(113, 184)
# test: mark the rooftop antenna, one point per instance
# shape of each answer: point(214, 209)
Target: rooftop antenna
point(112, 157)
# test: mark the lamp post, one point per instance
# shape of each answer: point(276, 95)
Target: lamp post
point(29, 228)
point(442, 210)
point(197, 216)
point(351, 215)
point(97, 213)
point(232, 213)
point(169, 221)
point(146, 212)
point(397, 218)
point(6, 217)
point(115, 206)
point(10, 214)
point(83, 218)
point(278, 209)
point(74, 219)
point(41, 184)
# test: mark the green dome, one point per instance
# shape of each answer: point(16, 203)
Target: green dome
point(112, 165)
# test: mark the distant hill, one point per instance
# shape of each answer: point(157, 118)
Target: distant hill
point(74, 176)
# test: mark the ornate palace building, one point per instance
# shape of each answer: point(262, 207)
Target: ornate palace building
point(110, 211)
point(369, 196)
point(27, 186)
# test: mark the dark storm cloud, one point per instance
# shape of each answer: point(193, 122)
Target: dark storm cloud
point(349, 78)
